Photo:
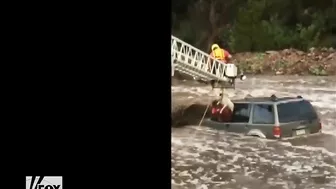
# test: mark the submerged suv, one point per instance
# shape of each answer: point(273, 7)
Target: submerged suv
point(270, 117)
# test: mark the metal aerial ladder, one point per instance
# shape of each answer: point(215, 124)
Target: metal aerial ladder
point(198, 64)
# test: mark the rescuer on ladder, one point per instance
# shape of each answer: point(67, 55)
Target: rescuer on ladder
point(219, 54)
point(225, 104)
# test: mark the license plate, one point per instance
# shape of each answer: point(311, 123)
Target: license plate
point(301, 132)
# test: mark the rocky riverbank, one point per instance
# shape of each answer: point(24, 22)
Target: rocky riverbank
point(288, 62)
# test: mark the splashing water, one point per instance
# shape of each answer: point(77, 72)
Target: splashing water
point(216, 159)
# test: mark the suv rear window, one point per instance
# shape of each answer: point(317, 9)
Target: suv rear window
point(296, 111)
point(263, 114)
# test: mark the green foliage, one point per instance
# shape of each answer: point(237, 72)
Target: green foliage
point(187, 34)
point(255, 25)
point(251, 33)
point(317, 70)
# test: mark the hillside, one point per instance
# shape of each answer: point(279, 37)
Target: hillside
point(320, 61)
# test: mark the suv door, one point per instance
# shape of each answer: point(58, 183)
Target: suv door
point(297, 118)
point(240, 118)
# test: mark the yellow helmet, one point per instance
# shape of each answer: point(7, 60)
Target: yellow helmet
point(214, 46)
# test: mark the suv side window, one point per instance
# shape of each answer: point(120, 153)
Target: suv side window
point(263, 114)
point(296, 111)
point(241, 113)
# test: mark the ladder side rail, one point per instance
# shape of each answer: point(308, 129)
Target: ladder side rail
point(186, 61)
point(172, 63)
point(185, 68)
point(216, 68)
point(220, 71)
point(185, 47)
point(200, 63)
point(191, 72)
point(173, 54)
point(205, 77)
point(174, 47)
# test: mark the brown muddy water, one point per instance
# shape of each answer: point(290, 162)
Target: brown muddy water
point(204, 158)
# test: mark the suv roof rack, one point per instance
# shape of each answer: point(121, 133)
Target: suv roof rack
point(273, 97)
point(248, 96)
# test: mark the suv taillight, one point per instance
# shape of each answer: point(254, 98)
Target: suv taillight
point(276, 131)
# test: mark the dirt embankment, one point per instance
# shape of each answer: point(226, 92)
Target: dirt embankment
point(289, 61)
point(188, 111)
point(188, 114)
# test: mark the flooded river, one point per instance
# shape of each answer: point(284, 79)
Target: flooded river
point(205, 158)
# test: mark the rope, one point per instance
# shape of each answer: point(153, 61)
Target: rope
point(216, 62)
point(204, 115)
point(202, 119)
point(200, 123)
point(210, 102)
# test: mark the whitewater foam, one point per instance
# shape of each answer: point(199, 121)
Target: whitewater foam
point(217, 159)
